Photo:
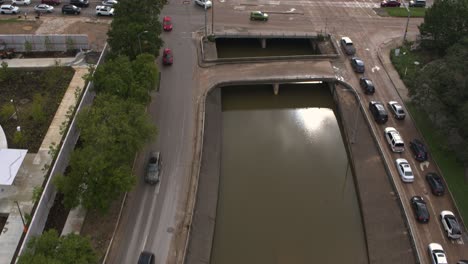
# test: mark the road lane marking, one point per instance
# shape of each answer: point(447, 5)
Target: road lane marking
point(424, 164)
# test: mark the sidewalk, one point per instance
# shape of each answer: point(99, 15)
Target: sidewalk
point(31, 173)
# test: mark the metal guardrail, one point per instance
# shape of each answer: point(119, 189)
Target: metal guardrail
point(41, 213)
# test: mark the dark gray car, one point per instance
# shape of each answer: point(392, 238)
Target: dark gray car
point(357, 64)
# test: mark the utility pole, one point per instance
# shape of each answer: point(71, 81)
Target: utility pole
point(212, 17)
point(407, 23)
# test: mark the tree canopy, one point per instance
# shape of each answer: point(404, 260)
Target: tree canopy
point(135, 23)
point(127, 79)
point(445, 23)
point(441, 90)
point(112, 131)
point(50, 248)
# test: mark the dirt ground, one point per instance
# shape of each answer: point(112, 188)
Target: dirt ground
point(95, 29)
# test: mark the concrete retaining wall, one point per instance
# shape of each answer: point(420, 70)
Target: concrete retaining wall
point(25, 43)
point(46, 201)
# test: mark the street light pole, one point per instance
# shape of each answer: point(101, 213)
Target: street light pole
point(212, 17)
point(139, 42)
point(407, 22)
point(206, 30)
point(16, 109)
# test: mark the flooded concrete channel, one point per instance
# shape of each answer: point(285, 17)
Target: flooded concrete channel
point(277, 182)
point(286, 191)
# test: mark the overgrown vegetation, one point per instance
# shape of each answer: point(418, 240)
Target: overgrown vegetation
point(116, 126)
point(52, 248)
point(29, 99)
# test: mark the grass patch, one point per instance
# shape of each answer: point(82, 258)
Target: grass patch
point(408, 62)
point(452, 171)
point(401, 11)
point(10, 20)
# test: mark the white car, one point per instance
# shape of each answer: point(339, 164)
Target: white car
point(104, 11)
point(9, 9)
point(394, 139)
point(109, 2)
point(404, 170)
point(437, 254)
point(397, 110)
point(43, 8)
point(204, 3)
point(451, 225)
point(20, 2)
point(348, 46)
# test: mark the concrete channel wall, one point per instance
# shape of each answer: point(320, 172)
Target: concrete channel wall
point(386, 234)
point(46, 201)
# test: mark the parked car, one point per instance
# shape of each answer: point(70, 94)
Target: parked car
point(462, 261)
point(390, 3)
point(419, 150)
point(9, 9)
point(51, 2)
point(71, 9)
point(378, 111)
point(258, 15)
point(43, 8)
point(404, 169)
point(167, 23)
point(104, 11)
point(357, 64)
point(204, 3)
point(348, 46)
point(420, 209)
point(146, 258)
point(435, 183)
point(153, 168)
point(437, 254)
point(417, 3)
point(394, 139)
point(20, 2)
point(167, 57)
point(451, 225)
point(397, 110)
point(110, 3)
point(79, 3)
point(367, 85)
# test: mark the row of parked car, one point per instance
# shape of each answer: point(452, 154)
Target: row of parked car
point(448, 220)
point(46, 6)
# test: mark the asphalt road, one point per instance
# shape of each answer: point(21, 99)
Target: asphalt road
point(143, 226)
point(152, 214)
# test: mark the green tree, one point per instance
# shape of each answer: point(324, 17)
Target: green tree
point(127, 79)
point(124, 32)
point(441, 91)
point(112, 131)
point(445, 23)
point(52, 249)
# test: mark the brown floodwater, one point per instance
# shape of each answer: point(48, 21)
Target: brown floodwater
point(286, 192)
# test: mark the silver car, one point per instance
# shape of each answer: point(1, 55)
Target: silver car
point(451, 225)
point(404, 170)
point(43, 8)
point(397, 110)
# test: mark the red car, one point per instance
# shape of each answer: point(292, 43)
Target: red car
point(390, 3)
point(167, 23)
point(167, 57)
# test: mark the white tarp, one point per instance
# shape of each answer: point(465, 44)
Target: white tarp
point(10, 162)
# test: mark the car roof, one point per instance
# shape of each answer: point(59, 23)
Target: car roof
point(347, 40)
